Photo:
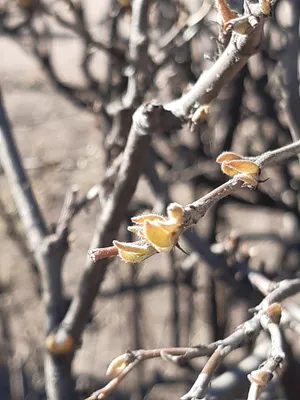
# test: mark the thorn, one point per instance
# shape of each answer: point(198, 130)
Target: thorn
point(180, 248)
point(263, 180)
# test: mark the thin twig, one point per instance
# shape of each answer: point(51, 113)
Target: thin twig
point(196, 210)
point(199, 388)
point(231, 61)
point(80, 28)
point(243, 335)
point(261, 377)
point(145, 124)
point(188, 29)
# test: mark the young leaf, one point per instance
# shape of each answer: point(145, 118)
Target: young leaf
point(235, 167)
point(161, 239)
point(228, 156)
point(140, 219)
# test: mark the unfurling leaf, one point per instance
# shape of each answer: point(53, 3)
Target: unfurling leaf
point(239, 25)
point(228, 156)
point(260, 377)
point(244, 166)
point(175, 213)
point(132, 258)
point(235, 167)
point(233, 164)
point(133, 252)
point(161, 238)
point(135, 247)
point(140, 219)
point(225, 11)
point(265, 6)
point(157, 233)
point(200, 113)
point(117, 365)
point(136, 229)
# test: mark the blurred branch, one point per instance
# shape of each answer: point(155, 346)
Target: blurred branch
point(27, 205)
point(289, 64)
point(229, 105)
point(139, 69)
point(80, 27)
point(72, 207)
point(15, 235)
point(187, 29)
point(79, 96)
point(48, 249)
point(197, 209)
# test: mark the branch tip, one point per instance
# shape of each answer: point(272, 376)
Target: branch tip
point(104, 252)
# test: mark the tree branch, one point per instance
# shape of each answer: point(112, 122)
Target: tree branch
point(48, 253)
point(244, 334)
point(145, 124)
point(231, 61)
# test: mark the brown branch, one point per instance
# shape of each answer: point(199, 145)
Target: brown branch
point(188, 29)
point(141, 65)
point(25, 200)
point(110, 387)
point(261, 377)
point(200, 387)
point(101, 253)
point(244, 334)
point(145, 124)
point(289, 65)
point(231, 61)
point(148, 120)
point(290, 312)
point(80, 28)
point(216, 262)
point(81, 97)
point(72, 207)
point(277, 156)
point(14, 234)
point(48, 252)
point(233, 383)
point(197, 209)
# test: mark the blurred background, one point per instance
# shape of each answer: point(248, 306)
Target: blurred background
point(65, 75)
